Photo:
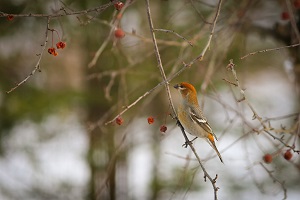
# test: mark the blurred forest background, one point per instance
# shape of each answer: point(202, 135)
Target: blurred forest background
point(55, 139)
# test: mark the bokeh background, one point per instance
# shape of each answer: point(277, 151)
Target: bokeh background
point(54, 143)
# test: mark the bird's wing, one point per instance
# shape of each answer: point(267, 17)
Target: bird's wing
point(201, 121)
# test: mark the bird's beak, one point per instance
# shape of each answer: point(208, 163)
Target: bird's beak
point(176, 86)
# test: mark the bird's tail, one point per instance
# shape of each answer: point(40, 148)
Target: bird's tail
point(211, 142)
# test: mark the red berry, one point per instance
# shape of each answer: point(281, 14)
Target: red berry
point(288, 155)
point(119, 120)
point(10, 17)
point(119, 33)
point(163, 128)
point(119, 5)
point(60, 45)
point(285, 15)
point(297, 4)
point(268, 158)
point(52, 51)
point(150, 120)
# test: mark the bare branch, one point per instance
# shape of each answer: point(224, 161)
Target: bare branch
point(160, 66)
point(185, 66)
point(37, 65)
point(266, 128)
point(113, 25)
point(198, 12)
point(293, 20)
point(267, 50)
point(170, 31)
point(282, 183)
point(206, 175)
point(65, 13)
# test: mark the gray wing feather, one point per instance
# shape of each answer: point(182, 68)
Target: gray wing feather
point(201, 121)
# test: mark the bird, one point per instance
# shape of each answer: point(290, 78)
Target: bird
point(191, 117)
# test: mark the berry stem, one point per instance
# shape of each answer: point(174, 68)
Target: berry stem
point(57, 34)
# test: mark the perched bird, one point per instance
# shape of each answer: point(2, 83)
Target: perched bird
point(191, 117)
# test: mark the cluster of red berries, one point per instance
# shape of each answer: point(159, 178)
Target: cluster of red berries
point(268, 158)
point(59, 45)
point(163, 128)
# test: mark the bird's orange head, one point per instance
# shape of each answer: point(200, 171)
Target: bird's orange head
point(187, 91)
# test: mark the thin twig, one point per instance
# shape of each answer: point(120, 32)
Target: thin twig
point(267, 127)
point(49, 17)
point(101, 48)
point(170, 31)
point(293, 20)
point(135, 102)
point(200, 57)
point(230, 82)
point(160, 66)
point(281, 141)
point(109, 86)
point(267, 50)
point(199, 13)
point(37, 65)
point(112, 25)
point(282, 183)
point(185, 66)
point(206, 175)
point(80, 12)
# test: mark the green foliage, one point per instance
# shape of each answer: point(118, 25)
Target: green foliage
point(33, 104)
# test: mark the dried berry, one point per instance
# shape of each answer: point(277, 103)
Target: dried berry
point(150, 120)
point(60, 45)
point(119, 5)
point(119, 33)
point(163, 128)
point(119, 120)
point(268, 158)
point(288, 155)
point(52, 51)
point(10, 17)
point(285, 16)
point(297, 4)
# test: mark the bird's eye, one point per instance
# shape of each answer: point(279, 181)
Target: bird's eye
point(181, 87)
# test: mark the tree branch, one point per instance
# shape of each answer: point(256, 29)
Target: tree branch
point(166, 83)
point(37, 65)
point(55, 15)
